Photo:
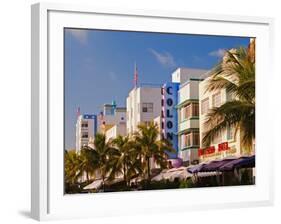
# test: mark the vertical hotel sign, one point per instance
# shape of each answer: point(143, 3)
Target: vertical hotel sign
point(169, 114)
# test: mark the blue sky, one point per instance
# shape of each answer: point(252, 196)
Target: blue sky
point(99, 65)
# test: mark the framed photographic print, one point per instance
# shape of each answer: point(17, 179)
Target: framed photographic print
point(148, 111)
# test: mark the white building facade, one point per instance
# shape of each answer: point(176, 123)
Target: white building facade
point(143, 106)
point(115, 131)
point(86, 128)
point(182, 75)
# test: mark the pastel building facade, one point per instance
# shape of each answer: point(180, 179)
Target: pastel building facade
point(187, 110)
point(143, 106)
point(116, 130)
point(181, 75)
point(188, 121)
point(113, 120)
point(86, 128)
point(226, 143)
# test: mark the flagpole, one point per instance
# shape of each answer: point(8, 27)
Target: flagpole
point(136, 75)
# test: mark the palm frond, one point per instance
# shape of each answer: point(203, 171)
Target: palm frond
point(229, 114)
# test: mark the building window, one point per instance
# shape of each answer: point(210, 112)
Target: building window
point(230, 133)
point(147, 107)
point(85, 135)
point(204, 106)
point(84, 125)
point(191, 110)
point(196, 139)
point(186, 112)
point(195, 109)
point(217, 100)
point(191, 139)
point(188, 140)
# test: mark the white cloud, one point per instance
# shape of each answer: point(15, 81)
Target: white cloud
point(80, 35)
point(217, 53)
point(165, 58)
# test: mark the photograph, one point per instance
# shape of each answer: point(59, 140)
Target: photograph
point(157, 111)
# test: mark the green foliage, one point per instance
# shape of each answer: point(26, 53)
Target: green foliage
point(125, 160)
point(186, 183)
point(148, 147)
point(123, 156)
point(235, 73)
point(159, 185)
point(72, 165)
point(246, 177)
point(103, 155)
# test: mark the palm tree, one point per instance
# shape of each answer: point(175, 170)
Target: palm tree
point(103, 155)
point(150, 147)
point(89, 162)
point(72, 170)
point(125, 161)
point(236, 74)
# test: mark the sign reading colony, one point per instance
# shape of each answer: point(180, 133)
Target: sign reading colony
point(169, 112)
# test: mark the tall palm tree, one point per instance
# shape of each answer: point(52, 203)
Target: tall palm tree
point(89, 162)
point(125, 160)
point(103, 154)
point(236, 74)
point(150, 147)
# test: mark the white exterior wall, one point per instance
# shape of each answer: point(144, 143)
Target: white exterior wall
point(150, 95)
point(116, 130)
point(118, 117)
point(136, 98)
point(188, 124)
point(184, 93)
point(188, 91)
point(234, 143)
point(194, 90)
point(80, 130)
point(182, 75)
point(133, 119)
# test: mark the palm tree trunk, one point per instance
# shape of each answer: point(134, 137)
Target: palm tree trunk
point(87, 174)
point(124, 174)
point(148, 169)
point(103, 187)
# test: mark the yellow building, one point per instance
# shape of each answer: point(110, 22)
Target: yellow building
point(227, 143)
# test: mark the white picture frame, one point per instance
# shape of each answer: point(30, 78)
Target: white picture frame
point(48, 201)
